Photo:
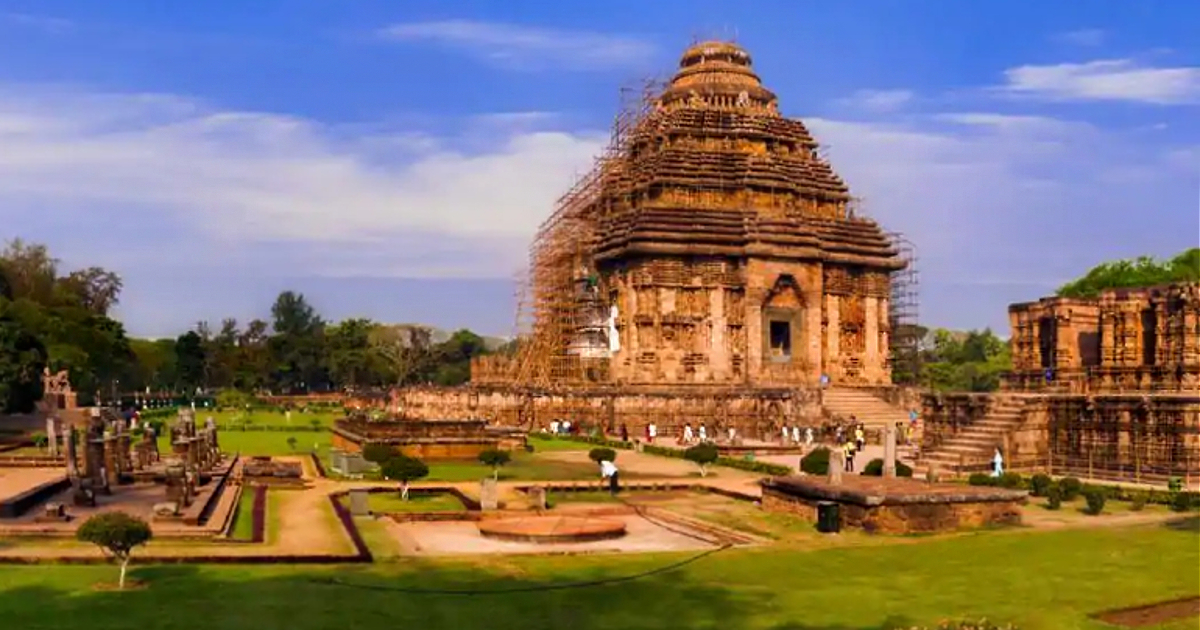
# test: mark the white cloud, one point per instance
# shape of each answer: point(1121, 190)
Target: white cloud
point(246, 177)
point(525, 47)
point(879, 100)
point(1106, 80)
point(1082, 37)
point(51, 25)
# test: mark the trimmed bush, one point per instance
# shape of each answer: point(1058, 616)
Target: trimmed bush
point(1138, 500)
point(1039, 483)
point(377, 452)
point(874, 468)
point(1069, 488)
point(602, 455)
point(1011, 480)
point(981, 479)
point(702, 455)
point(1183, 501)
point(1054, 497)
point(816, 462)
point(1095, 498)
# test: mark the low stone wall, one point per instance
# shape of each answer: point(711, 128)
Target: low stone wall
point(897, 506)
point(753, 411)
point(22, 503)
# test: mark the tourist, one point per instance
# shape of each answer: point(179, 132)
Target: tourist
point(808, 437)
point(732, 434)
point(703, 433)
point(687, 433)
point(624, 433)
point(997, 463)
point(848, 449)
point(860, 437)
point(566, 427)
point(554, 426)
point(785, 435)
point(608, 470)
point(651, 432)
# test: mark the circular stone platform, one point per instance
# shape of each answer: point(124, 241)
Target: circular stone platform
point(551, 529)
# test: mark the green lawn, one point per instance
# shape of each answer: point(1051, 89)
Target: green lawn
point(523, 467)
point(1039, 580)
point(265, 442)
point(243, 524)
point(542, 444)
point(385, 502)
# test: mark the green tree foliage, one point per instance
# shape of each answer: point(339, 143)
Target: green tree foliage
point(404, 469)
point(298, 344)
point(495, 458)
point(1144, 271)
point(118, 534)
point(190, 359)
point(378, 452)
point(973, 361)
point(602, 455)
point(56, 321)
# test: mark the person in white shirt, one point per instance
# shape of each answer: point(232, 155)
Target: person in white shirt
point(732, 434)
point(554, 427)
point(608, 470)
point(652, 431)
point(687, 434)
point(566, 427)
point(796, 434)
point(808, 436)
point(784, 431)
point(703, 433)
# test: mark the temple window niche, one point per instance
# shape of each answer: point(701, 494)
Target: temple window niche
point(782, 312)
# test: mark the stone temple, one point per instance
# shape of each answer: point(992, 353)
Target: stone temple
point(711, 269)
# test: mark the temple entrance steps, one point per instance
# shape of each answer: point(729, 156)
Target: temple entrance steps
point(842, 402)
point(972, 448)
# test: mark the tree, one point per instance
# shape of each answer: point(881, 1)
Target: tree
point(117, 534)
point(40, 440)
point(190, 360)
point(971, 361)
point(94, 289)
point(495, 458)
point(378, 452)
point(702, 455)
point(407, 351)
point(297, 347)
point(22, 359)
point(1144, 271)
point(404, 469)
point(291, 442)
point(602, 455)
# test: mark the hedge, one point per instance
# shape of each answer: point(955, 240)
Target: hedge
point(1070, 488)
point(728, 462)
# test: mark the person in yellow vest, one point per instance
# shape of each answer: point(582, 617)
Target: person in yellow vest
point(849, 450)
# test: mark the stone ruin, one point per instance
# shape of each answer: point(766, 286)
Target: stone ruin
point(103, 452)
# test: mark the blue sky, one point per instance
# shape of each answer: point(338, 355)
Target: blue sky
point(392, 159)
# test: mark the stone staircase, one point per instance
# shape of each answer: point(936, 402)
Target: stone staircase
point(874, 412)
point(972, 448)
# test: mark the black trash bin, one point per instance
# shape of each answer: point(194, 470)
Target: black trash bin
point(829, 517)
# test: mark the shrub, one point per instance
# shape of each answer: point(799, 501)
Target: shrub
point(702, 455)
point(1182, 501)
point(40, 440)
point(495, 458)
point(816, 462)
point(1069, 488)
point(116, 533)
point(1174, 484)
point(602, 454)
point(1039, 483)
point(378, 452)
point(291, 442)
point(874, 468)
point(404, 469)
point(1054, 497)
point(1138, 500)
point(1011, 480)
point(1095, 498)
point(981, 479)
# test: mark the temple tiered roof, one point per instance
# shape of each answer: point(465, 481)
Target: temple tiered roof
point(714, 169)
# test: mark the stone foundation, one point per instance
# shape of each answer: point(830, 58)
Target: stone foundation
point(427, 439)
point(895, 506)
point(755, 412)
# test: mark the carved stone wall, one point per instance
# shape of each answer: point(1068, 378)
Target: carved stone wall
point(1125, 340)
point(754, 412)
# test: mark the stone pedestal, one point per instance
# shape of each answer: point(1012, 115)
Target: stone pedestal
point(837, 465)
point(889, 450)
point(489, 495)
point(360, 503)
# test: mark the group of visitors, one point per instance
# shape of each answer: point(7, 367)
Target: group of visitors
point(852, 442)
point(563, 427)
point(793, 435)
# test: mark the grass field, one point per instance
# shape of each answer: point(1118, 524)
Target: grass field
point(1039, 580)
point(243, 524)
point(385, 502)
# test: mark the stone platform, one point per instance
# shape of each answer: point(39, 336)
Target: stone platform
point(427, 439)
point(552, 529)
point(24, 488)
point(895, 505)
